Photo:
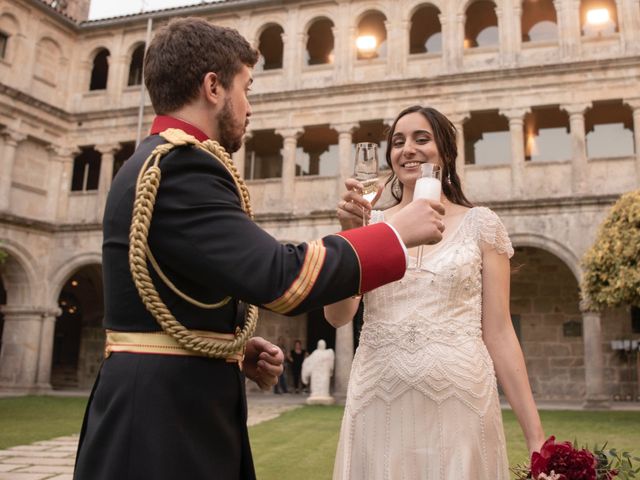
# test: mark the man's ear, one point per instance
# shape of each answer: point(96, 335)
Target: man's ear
point(211, 88)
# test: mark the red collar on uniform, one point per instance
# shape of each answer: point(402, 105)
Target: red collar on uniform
point(162, 122)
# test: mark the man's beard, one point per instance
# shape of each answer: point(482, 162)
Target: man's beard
point(228, 127)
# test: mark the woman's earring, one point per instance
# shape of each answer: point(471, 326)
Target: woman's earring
point(395, 188)
point(449, 178)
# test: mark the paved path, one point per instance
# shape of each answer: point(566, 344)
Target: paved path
point(54, 459)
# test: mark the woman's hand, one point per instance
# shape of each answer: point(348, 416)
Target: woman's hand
point(353, 207)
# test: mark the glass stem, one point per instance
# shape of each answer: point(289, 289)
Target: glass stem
point(419, 259)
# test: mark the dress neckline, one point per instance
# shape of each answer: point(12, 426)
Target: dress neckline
point(444, 241)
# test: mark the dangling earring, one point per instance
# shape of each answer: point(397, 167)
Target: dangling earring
point(396, 190)
point(449, 178)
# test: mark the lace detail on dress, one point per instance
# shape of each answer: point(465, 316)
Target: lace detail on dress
point(422, 400)
point(491, 231)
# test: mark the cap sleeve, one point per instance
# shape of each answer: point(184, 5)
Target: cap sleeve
point(492, 233)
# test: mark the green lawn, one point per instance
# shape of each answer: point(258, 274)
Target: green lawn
point(301, 444)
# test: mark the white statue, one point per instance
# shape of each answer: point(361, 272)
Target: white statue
point(318, 367)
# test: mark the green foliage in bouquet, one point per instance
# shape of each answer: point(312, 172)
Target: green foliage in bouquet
point(611, 266)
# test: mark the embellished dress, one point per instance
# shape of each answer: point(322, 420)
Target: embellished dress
point(422, 402)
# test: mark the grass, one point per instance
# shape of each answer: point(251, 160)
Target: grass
point(301, 444)
point(30, 419)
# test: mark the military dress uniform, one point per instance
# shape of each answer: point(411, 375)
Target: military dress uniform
point(171, 415)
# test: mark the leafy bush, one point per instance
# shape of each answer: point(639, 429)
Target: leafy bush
point(611, 271)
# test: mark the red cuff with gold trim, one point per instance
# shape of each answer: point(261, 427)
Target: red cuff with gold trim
point(381, 257)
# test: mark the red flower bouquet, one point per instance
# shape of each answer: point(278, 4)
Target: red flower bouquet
point(565, 461)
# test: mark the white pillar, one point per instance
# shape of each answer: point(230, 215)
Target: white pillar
point(579, 164)
point(345, 142)
point(21, 341)
point(239, 157)
point(458, 122)
point(106, 173)
point(11, 141)
point(516, 127)
point(569, 28)
point(635, 105)
point(45, 352)
point(290, 142)
point(595, 396)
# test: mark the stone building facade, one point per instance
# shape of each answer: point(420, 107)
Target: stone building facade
point(545, 97)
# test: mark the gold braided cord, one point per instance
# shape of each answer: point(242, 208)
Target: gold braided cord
point(147, 186)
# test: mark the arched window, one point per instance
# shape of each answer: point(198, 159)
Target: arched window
point(539, 21)
point(546, 135)
point(100, 70)
point(487, 140)
point(320, 42)
point(372, 36)
point(271, 47)
point(86, 170)
point(426, 32)
point(135, 67)
point(481, 25)
point(48, 56)
point(609, 127)
point(263, 155)
point(9, 28)
point(598, 17)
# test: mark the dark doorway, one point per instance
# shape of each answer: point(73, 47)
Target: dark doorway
point(319, 329)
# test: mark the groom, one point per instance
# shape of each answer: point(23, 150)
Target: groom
point(160, 411)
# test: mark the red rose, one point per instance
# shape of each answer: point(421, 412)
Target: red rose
point(564, 460)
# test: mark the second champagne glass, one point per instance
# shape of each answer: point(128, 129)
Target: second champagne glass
point(366, 171)
point(428, 186)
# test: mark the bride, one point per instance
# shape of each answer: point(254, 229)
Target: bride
point(422, 400)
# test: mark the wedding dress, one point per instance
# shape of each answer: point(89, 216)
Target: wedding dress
point(422, 401)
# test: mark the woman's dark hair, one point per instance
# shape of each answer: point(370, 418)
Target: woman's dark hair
point(444, 134)
point(183, 52)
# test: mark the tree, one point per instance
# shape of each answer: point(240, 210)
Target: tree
point(611, 266)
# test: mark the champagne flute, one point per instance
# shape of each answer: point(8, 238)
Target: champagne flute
point(428, 186)
point(366, 171)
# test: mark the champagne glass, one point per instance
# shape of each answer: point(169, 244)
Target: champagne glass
point(428, 186)
point(366, 171)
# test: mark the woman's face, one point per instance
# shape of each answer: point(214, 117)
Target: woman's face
point(412, 144)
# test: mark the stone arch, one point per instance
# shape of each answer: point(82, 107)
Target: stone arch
point(545, 311)
point(420, 4)
point(66, 269)
point(313, 17)
point(552, 246)
point(19, 274)
point(319, 49)
point(78, 337)
point(10, 26)
point(367, 8)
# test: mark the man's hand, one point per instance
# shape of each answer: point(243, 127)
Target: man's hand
point(263, 362)
point(353, 207)
point(419, 223)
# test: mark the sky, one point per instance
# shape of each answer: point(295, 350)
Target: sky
point(113, 8)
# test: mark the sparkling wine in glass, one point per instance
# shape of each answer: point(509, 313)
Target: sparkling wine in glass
point(428, 186)
point(366, 171)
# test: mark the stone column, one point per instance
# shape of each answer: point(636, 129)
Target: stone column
point(344, 358)
point(579, 164)
point(458, 46)
point(569, 27)
point(516, 32)
point(21, 343)
point(47, 331)
point(458, 122)
point(516, 127)
point(107, 151)
point(239, 157)
point(345, 142)
point(11, 141)
point(635, 105)
point(290, 142)
point(59, 180)
point(595, 396)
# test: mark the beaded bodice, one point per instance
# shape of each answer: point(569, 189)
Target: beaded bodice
point(424, 331)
